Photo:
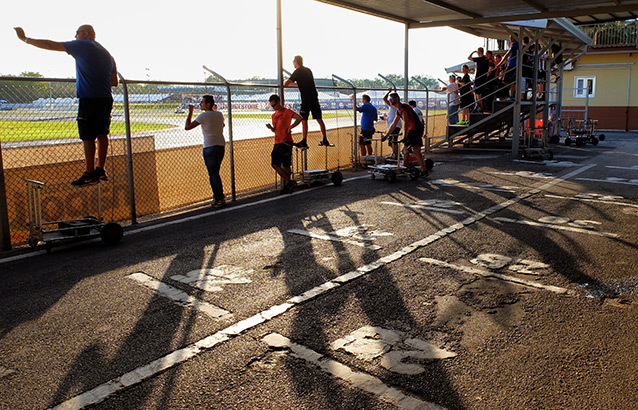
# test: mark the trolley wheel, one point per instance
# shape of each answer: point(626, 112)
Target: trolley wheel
point(391, 176)
point(554, 139)
point(111, 233)
point(568, 141)
point(414, 174)
point(429, 164)
point(32, 241)
point(601, 137)
point(337, 178)
point(594, 141)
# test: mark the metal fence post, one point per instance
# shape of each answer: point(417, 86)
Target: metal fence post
point(129, 149)
point(5, 234)
point(355, 152)
point(230, 132)
point(427, 112)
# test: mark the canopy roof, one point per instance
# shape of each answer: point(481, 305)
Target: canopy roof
point(456, 13)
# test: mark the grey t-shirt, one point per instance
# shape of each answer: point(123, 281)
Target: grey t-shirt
point(212, 123)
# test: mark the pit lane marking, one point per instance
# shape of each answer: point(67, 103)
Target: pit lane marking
point(601, 200)
point(557, 226)
point(612, 180)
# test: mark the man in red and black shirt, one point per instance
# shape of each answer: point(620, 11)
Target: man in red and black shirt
point(281, 156)
point(413, 129)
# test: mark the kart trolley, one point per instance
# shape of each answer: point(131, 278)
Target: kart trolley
point(306, 176)
point(68, 230)
point(391, 172)
point(581, 132)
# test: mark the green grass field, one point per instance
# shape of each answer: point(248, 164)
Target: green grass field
point(31, 130)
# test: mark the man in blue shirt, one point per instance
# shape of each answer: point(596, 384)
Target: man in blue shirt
point(368, 117)
point(96, 73)
point(510, 68)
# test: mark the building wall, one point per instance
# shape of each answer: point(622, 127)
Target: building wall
point(615, 103)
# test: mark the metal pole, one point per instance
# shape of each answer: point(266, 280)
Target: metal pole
point(230, 132)
point(406, 53)
point(427, 112)
point(355, 152)
point(5, 233)
point(280, 59)
point(516, 117)
point(129, 150)
point(628, 99)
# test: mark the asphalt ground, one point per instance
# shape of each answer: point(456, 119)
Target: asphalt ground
point(492, 283)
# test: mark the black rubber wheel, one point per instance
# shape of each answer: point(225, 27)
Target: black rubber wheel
point(111, 233)
point(568, 141)
point(554, 139)
point(414, 174)
point(391, 177)
point(337, 178)
point(594, 141)
point(601, 137)
point(429, 164)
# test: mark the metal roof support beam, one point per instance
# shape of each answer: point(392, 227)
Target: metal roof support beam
point(527, 16)
point(453, 8)
point(280, 58)
point(406, 55)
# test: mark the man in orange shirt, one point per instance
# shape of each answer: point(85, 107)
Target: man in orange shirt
point(281, 156)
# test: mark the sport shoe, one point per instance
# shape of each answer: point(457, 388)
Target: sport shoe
point(326, 143)
point(101, 174)
point(86, 179)
point(301, 144)
point(220, 203)
point(289, 187)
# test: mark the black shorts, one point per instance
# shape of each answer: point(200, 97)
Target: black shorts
point(510, 75)
point(94, 117)
point(310, 107)
point(281, 154)
point(366, 137)
point(414, 138)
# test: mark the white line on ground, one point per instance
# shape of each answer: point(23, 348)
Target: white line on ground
point(360, 380)
point(559, 227)
point(327, 237)
point(423, 207)
point(103, 391)
point(593, 200)
point(488, 274)
point(611, 181)
point(180, 297)
point(632, 168)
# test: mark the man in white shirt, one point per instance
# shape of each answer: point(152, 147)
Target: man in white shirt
point(212, 123)
point(394, 137)
point(417, 110)
point(452, 91)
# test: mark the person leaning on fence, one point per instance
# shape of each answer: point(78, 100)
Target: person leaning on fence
point(453, 100)
point(212, 123)
point(413, 134)
point(369, 115)
point(303, 79)
point(96, 74)
point(281, 156)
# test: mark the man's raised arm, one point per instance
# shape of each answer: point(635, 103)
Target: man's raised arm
point(44, 44)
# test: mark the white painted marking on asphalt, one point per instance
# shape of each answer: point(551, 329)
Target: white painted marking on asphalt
point(612, 180)
point(525, 174)
point(210, 280)
point(424, 207)
point(632, 168)
point(140, 374)
point(601, 201)
point(474, 185)
point(551, 163)
point(327, 237)
point(357, 379)
point(489, 274)
point(180, 297)
point(556, 226)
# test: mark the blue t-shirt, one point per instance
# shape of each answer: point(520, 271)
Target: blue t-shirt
point(368, 115)
point(93, 65)
point(511, 59)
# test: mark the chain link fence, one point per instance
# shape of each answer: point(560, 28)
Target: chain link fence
point(154, 165)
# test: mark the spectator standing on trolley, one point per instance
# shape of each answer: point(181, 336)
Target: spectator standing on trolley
point(96, 73)
point(281, 156)
point(413, 131)
point(394, 135)
point(303, 79)
point(368, 117)
point(212, 122)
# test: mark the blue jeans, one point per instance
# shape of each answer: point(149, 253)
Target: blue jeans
point(213, 157)
point(452, 113)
